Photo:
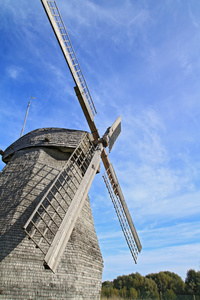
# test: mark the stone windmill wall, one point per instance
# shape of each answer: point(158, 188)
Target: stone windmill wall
point(33, 161)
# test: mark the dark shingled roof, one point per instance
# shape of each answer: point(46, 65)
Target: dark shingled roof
point(61, 138)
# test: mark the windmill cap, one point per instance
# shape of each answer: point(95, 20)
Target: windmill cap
point(63, 139)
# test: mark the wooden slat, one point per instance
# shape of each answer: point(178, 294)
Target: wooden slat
point(63, 234)
point(121, 208)
point(80, 84)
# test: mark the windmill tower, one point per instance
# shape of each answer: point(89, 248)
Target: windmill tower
point(48, 244)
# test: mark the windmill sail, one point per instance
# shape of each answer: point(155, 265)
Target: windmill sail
point(123, 214)
point(53, 220)
point(81, 88)
point(89, 110)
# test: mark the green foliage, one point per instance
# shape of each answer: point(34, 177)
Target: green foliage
point(162, 285)
point(133, 286)
point(167, 281)
point(170, 295)
point(192, 282)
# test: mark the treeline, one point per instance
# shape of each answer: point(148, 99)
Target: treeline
point(162, 285)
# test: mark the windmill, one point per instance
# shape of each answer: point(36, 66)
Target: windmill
point(47, 234)
point(87, 155)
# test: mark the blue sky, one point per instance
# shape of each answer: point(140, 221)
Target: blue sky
point(141, 61)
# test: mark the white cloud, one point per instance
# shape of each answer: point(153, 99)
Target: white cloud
point(177, 259)
point(15, 72)
point(168, 235)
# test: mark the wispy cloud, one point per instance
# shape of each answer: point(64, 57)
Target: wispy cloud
point(178, 259)
point(15, 72)
point(168, 235)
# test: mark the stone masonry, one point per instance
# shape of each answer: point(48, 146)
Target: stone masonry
point(33, 161)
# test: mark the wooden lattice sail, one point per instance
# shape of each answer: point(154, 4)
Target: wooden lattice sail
point(89, 111)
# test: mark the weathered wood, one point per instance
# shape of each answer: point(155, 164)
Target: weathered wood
point(63, 139)
point(63, 234)
point(23, 182)
point(69, 55)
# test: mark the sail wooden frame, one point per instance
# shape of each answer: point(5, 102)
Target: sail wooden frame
point(51, 223)
point(61, 232)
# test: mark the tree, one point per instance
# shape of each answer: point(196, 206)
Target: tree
point(162, 280)
point(146, 288)
point(164, 285)
point(192, 283)
point(117, 283)
point(168, 281)
point(170, 295)
point(123, 292)
point(107, 289)
point(150, 289)
point(133, 293)
point(176, 284)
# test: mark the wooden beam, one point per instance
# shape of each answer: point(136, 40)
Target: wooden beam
point(63, 234)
